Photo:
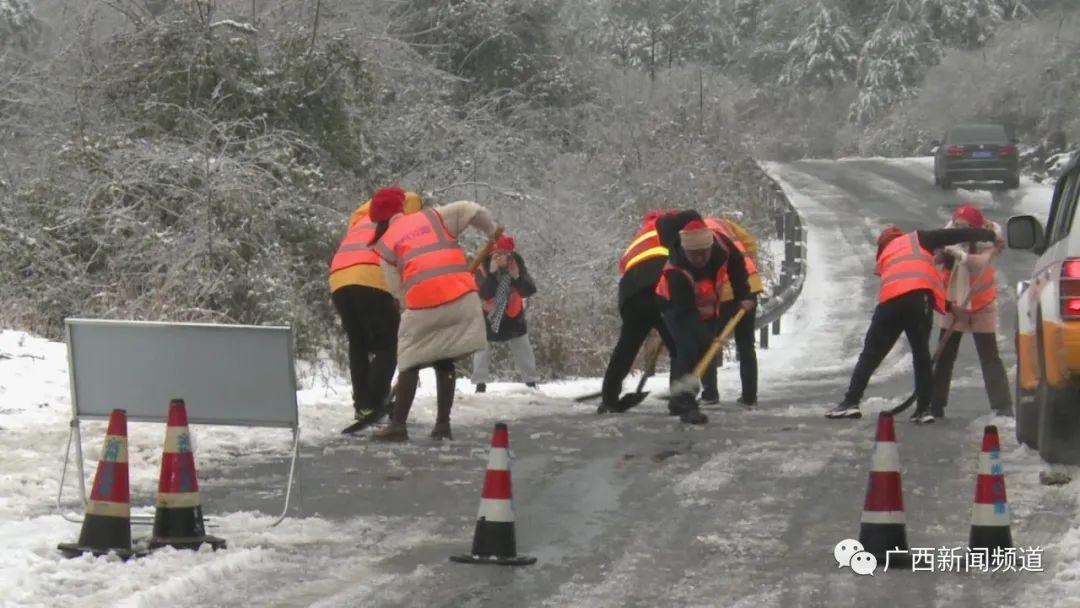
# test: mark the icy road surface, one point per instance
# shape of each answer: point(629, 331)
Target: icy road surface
point(631, 510)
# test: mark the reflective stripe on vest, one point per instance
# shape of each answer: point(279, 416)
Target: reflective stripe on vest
point(646, 245)
point(706, 295)
point(354, 248)
point(905, 266)
point(983, 285)
point(434, 270)
point(727, 292)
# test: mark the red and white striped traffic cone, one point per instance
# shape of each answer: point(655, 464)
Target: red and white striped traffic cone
point(494, 541)
point(990, 526)
point(178, 518)
point(883, 525)
point(107, 524)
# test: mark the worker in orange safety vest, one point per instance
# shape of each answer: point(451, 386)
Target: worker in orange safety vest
point(744, 330)
point(367, 310)
point(689, 289)
point(428, 271)
point(911, 289)
point(970, 287)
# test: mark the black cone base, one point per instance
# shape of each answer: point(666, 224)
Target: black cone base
point(879, 539)
point(494, 560)
point(105, 532)
point(494, 543)
point(990, 537)
point(179, 522)
point(187, 542)
point(75, 550)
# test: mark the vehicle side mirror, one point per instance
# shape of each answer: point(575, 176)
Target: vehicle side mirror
point(1025, 232)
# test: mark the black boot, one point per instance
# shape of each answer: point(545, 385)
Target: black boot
point(445, 380)
point(693, 415)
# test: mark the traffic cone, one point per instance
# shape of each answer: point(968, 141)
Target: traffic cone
point(882, 528)
point(990, 513)
point(494, 541)
point(178, 518)
point(107, 524)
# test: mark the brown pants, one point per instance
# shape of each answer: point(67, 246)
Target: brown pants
point(993, 371)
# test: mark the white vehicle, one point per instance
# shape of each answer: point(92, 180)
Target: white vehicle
point(1048, 326)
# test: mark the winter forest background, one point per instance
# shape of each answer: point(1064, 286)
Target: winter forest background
point(196, 160)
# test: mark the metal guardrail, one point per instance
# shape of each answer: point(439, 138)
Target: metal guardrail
point(790, 228)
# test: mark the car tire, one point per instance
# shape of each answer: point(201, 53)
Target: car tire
point(1012, 183)
point(946, 183)
point(937, 180)
point(1059, 425)
point(1027, 410)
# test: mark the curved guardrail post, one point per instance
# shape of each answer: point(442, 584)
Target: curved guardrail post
point(788, 286)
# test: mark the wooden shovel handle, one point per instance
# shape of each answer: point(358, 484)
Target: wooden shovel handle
point(718, 343)
point(479, 259)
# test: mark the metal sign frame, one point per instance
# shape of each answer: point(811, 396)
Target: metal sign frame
point(264, 367)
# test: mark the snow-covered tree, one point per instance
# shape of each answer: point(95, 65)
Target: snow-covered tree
point(656, 34)
point(892, 61)
point(19, 28)
point(963, 23)
point(823, 55)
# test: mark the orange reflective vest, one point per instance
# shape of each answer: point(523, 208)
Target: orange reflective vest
point(646, 245)
point(727, 293)
point(706, 291)
point(905, 266)
point(514, 305)
point(354, 248)
point(433, 267)
point(982, 284)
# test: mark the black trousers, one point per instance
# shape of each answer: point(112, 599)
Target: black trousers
point(744, 348)
point(909, 314)
point(993, 370)
point(692, 339)
point(370, 318)
point(640, 314)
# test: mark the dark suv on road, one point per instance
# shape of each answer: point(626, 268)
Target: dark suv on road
point(976, 153)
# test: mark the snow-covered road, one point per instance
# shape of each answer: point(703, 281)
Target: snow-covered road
point(631, 510)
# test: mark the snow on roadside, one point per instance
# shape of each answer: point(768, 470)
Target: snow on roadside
point(35, 408)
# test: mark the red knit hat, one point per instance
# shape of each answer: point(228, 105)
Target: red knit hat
point(969, 213)
point(695, 235)
point(887, 235)
point(386, 203)
point(504, 243)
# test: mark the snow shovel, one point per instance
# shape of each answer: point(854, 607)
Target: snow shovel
point(650, 366)
point(629, 400)
point(692, 382)
point(906, 403)
point(360, 425)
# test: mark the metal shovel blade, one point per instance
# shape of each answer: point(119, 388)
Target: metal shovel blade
point(629, 400)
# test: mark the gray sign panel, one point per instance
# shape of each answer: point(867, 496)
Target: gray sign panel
point(226, 374)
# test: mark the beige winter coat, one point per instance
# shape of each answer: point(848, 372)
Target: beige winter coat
point(984, 320)
point(451, 330)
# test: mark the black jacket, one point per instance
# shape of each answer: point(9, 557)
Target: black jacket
point(642, 277)
point(683, 296)
point(510, 327)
